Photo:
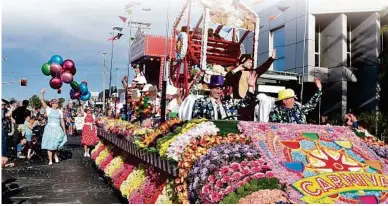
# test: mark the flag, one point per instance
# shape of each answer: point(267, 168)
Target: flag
point(117, 37)
point(117, 28)
point(283, 8)
point(123, 19)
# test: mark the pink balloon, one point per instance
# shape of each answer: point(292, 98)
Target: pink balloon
point(56, 83)
point(69, 66)
point(55, 69)
point(67, 77)
point(77, 94)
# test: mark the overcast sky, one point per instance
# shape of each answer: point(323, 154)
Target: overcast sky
point(34, 30)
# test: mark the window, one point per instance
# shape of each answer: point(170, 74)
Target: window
point(318, 46)
point(278, 44)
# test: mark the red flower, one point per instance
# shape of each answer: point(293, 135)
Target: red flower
point(269, 174)
point(225, 179)
point(224, 171)
point(245, 171)
point(258, 175)
point(211, 179)
point(235, 166)
point(218, 183)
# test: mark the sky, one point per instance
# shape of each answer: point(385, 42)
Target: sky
point(34, 30)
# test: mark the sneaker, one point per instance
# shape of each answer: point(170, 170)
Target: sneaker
point(56, 159)
point(85, 154)
point(50, 163)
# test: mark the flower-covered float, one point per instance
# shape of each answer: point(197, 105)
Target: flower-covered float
point(230, 162)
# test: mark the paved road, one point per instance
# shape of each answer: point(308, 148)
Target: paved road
point(73, 180)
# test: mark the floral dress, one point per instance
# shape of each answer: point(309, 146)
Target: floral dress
point(53, 136)
point(89, 131)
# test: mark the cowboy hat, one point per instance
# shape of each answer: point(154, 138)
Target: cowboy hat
point(286, 94)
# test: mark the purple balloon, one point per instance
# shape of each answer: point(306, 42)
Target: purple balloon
point(55, 69)
point(67, 77)
point(76, 95)
point(69, 66)
point(56, 83)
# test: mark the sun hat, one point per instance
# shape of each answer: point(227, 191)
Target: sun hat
point(286, 94)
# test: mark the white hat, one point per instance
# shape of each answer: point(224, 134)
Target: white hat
point(171, 90)
point(147, 87)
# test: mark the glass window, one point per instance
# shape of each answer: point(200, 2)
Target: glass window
point(278, 65)
point(278, 38)
point(317, 60)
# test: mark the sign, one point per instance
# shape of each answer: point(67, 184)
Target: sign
point(137, 48)
point(79, 122)
point(318, 188)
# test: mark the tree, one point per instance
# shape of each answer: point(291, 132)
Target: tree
point(35, 101)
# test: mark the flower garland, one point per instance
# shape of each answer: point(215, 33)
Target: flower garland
point(151, 137)
point(119, 178)
point(177, 147)
point(164, 145)
point(102, 156)
point(96, 151)
point(145, 194)
point(106, 161)
point(265, 197)
point(196, 149)
point(168, 195)
point(248, 188)
point(134, 180)
point(113, 165)
point(216, 158)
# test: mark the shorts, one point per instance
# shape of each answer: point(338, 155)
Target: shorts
point(28, 137)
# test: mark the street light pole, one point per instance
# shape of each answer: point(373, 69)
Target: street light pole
point(103, 82)
point(111, 66)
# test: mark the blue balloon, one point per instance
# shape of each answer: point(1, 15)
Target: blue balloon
point(83, 88)
point(86, 97)
point(56, 59)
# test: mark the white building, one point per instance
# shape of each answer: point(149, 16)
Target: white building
point(341, 46)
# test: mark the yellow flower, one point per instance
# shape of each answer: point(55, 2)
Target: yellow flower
point(133, 181)
point(113, 166)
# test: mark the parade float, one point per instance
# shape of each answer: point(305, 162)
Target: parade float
point(201, 161)
point(235, 162)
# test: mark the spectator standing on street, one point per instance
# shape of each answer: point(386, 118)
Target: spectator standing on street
point(19, 115)
point(54, 136)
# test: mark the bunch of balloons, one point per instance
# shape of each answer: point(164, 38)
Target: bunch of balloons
point(63, 71)
point(80, 91)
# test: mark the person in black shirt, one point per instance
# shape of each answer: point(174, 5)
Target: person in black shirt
point(19, 115)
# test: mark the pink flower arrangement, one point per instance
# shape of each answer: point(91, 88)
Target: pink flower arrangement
point(97, 151)
point(128, 169)
point(106, 161)
point(265, 197)
point(231, 177)
point(145, 194)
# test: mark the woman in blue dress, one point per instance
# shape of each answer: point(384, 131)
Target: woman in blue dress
point(54, 136)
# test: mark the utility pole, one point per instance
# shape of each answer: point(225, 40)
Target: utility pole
point(103, 82)
point(111, 66)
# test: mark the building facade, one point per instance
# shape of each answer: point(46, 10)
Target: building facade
point(340, 47)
